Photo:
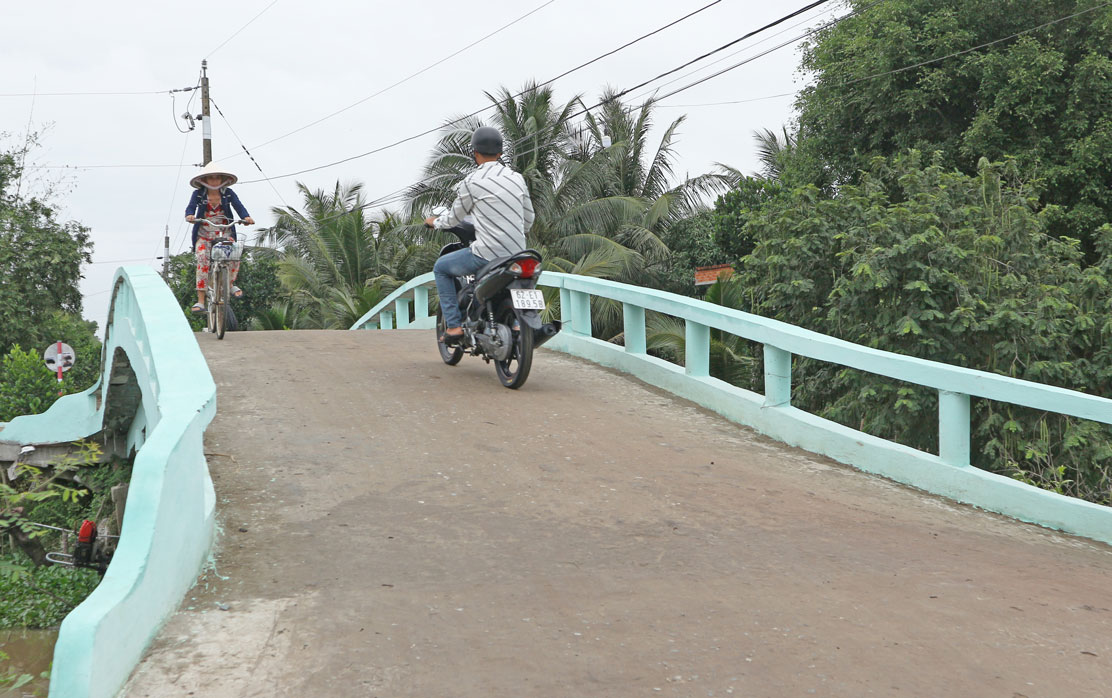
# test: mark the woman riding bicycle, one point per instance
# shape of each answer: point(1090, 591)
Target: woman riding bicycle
point(213, 200)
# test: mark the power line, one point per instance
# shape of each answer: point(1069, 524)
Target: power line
point(406, 140)
point(96, 167)
point(173, 192)
point(906, 67)
point(256, 162)
point(122, 261)
point(237, 31)
point(746, 48)
point(93, 94)
point(408, 78)
point(975, 48)
point(488, 108)
point(400, 194)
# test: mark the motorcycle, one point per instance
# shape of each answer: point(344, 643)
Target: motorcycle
point(500, 305)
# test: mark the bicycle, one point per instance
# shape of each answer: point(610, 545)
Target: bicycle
point(218, 291)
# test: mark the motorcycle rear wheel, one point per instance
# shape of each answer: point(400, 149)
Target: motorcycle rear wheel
point(450, 353)
point(515, 370)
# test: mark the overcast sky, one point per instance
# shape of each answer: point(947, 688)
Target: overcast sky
point(297, 62)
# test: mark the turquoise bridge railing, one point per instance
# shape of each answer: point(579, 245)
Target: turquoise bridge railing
point(154, 399)
point(946, 473)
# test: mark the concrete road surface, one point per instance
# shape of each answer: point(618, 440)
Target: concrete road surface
point(393, 527)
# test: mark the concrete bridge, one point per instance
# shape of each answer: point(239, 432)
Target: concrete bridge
point(390, 526)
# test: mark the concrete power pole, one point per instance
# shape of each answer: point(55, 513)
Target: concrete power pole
point(206, 119)
point(166, 256)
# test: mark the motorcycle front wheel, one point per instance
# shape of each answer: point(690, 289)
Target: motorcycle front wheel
point(450, 353)
point(514, 370)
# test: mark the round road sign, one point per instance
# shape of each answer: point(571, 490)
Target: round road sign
point(59, 357)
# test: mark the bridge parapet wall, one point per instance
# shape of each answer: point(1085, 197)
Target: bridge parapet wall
point(167, 530)
point(947, 473)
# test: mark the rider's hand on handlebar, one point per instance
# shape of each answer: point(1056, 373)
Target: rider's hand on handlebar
point(249, 221)
point(189, 218)
point(430, 222)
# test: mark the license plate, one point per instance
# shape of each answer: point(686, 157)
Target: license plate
point(527, 298)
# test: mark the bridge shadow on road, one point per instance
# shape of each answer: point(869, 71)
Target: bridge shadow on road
point(392, 526)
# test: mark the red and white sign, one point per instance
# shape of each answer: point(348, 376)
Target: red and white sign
point(59, 357)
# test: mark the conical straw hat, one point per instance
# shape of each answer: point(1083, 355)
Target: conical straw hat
point(213, 169)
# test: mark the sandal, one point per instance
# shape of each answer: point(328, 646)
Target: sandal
point(237, 292)
point(447, 338)
point(197, 308)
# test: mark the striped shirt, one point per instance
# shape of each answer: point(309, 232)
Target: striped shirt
point(498, 201)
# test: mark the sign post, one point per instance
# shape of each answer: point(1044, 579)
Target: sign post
point(59, 357)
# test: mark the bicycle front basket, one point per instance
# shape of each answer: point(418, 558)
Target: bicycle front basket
point(227, 251)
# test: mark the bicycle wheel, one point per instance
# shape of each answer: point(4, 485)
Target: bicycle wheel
point(222, 289)
point(515, 369)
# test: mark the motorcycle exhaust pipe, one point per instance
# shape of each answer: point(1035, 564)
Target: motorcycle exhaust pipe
point(546, 332)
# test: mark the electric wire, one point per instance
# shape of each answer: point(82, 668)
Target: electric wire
point(906, 67)
point(632, 107)
point(245, 150)
point(237, 31)
point(975, 48)
point(173, 196)
point(408, 78)
point(432, 130)
point(747, 48)
point(81, 94)
point(402, 194)
point(26, 146)
point(402, 141)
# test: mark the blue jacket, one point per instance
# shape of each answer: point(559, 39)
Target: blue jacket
point(228, 201)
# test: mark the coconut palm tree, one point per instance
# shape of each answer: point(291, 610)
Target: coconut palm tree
point(335, 261)
point(772, 151)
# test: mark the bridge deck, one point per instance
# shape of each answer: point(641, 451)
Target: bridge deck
point(396, 527)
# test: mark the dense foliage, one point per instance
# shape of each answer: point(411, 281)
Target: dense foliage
point(1043, 98)
point(33, 593)
point(40, 302)
point(258, 277)
point(42, 596)
point(936, 264)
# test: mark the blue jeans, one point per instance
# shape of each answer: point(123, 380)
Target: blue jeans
point(458, 263)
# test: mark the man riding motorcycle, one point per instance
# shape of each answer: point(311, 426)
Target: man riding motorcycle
point(497, 200)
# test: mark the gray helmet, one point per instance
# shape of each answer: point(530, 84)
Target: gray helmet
point(487, 141)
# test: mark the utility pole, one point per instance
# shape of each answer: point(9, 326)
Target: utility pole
point(206, 120)
point(166, 256)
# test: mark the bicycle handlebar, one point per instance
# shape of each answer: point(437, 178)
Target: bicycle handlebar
point(222, 226)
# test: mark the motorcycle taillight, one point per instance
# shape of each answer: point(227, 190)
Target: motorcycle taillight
point(525, 268)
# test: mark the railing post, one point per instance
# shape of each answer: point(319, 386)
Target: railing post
point(401, 305)
point(778, 376)
point(580, 306)
point(420, 303)
point(386, 320)
point(953, 428)
point(633, 317)
point(697, 353)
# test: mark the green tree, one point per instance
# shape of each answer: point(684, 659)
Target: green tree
point(601, 210)
point(40, 301)
point(733, 210)
point(1044, 98)
point(258, 277)
point(928, 262)
point(335, 262)
point(40, 261)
